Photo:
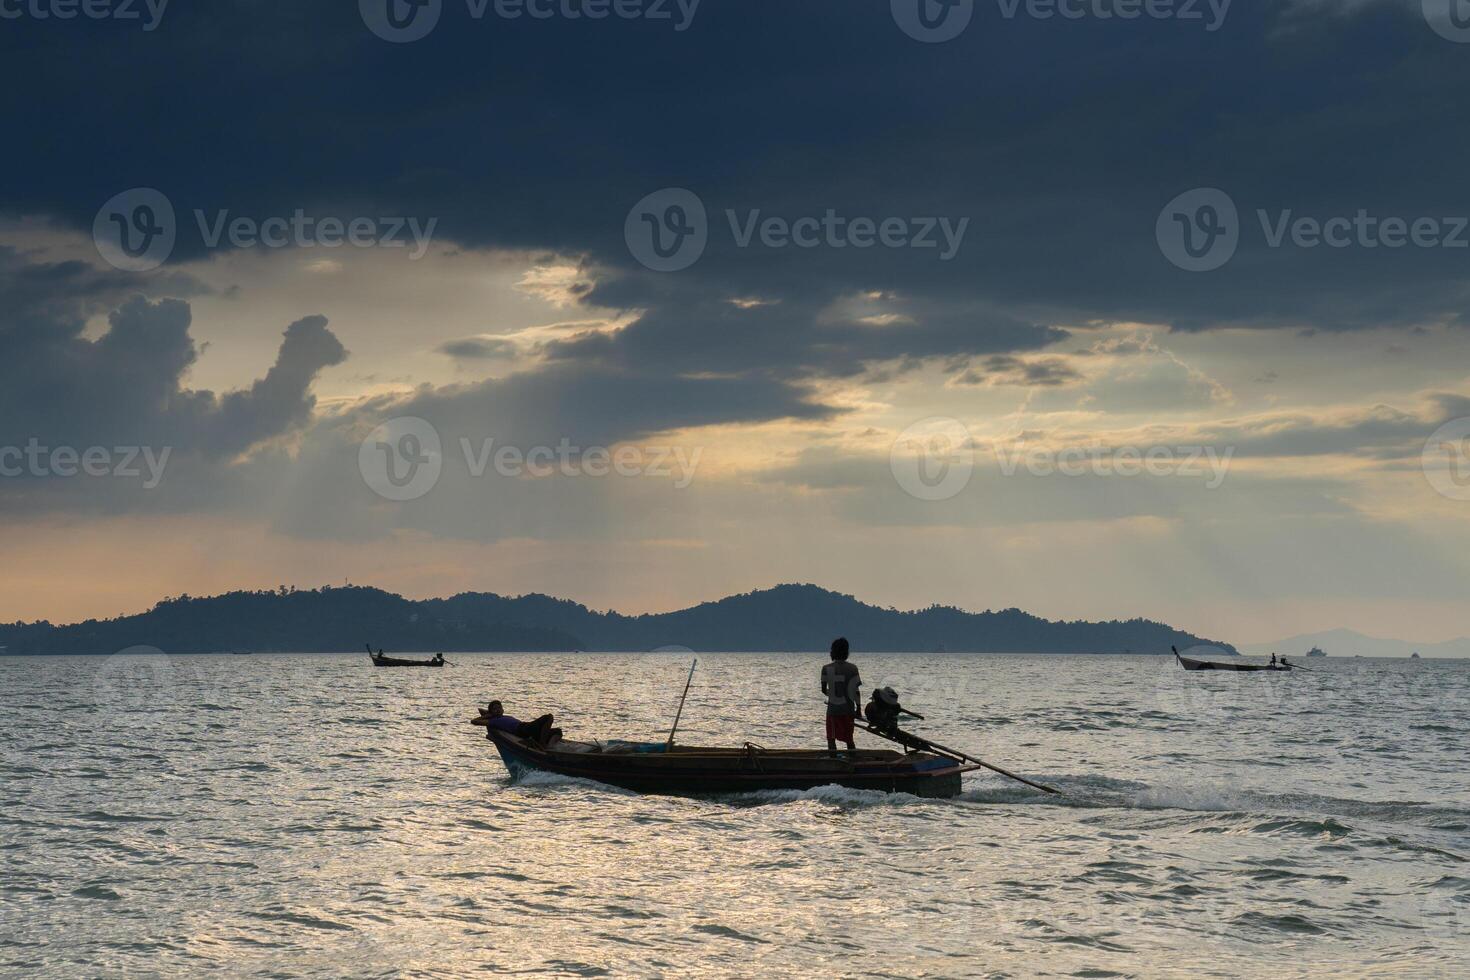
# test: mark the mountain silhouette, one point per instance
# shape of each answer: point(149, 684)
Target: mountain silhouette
point(785, 618)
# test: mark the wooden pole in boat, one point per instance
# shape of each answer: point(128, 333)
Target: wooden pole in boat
point(680, 712)
point(955, 753)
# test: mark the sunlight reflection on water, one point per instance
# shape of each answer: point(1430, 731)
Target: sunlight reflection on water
point(314, 816)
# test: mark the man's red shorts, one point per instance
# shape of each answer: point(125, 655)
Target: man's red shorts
point(839, 728)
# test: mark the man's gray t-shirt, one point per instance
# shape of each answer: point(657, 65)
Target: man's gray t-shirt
point(840, 681)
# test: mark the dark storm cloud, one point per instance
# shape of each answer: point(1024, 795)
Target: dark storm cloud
point(126, 387)
point(280, 400)
point(1005, 369)
point(1060, 140)
point(595, 406)
point(478, 348)
point(686, 331)
point(863, 488)
point(1382, 432)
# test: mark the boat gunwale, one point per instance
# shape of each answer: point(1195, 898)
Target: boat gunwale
point(643, 769)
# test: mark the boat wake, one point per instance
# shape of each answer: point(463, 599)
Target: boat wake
point(1292, 814)
point(1279, 813)
point(839, 796)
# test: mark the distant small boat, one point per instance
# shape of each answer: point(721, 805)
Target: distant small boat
point(1316, 652)
point(1189, 663)
point(381, 661)
point(1414, 655)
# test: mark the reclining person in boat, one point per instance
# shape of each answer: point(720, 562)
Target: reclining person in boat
point(538, 731)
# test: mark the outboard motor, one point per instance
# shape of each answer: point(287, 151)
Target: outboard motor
point(883, 710)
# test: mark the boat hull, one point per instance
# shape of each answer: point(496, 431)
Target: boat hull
point(687, 771)
point(392, 662)
point(1190, 664)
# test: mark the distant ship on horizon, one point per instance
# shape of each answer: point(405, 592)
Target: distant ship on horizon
point(1316, 652)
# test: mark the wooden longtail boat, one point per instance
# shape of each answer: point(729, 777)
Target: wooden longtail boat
point(381, 661)
point(1190, 664)
point(395, 662)
point(657, 767)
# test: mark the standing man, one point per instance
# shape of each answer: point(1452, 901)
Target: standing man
point(841, 684)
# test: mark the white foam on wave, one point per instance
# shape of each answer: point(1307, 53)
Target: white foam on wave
point(1207, 799)
point(540, 779)
point(842, 796)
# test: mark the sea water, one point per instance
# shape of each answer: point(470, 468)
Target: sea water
point(281, 815)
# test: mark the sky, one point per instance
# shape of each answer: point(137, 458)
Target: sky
point(989, 304)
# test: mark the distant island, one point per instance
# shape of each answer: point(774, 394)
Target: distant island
point(785, 618)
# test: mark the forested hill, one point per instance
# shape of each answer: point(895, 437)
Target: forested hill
point(788, 617)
